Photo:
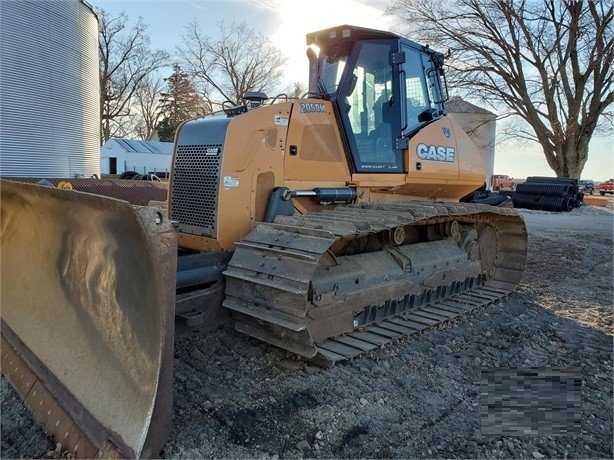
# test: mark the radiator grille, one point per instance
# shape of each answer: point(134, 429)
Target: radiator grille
point(194, 188)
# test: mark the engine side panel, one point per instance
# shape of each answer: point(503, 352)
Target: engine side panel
point(252, 167)
point(315, 152)
point(223, 172)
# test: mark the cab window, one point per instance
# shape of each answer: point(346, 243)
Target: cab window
point(369, 106)
point(419, 93)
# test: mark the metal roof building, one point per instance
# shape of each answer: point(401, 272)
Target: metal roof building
point(49, 89)
point(121, 155)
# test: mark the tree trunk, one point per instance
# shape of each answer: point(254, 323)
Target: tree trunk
point(569, 157)
point(105, 131)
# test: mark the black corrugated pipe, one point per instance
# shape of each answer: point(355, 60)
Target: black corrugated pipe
point(553, 180)
point(541, 188)
point(545, 203)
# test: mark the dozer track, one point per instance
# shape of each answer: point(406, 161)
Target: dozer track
point(334, 284)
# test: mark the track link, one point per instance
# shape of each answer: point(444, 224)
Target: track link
point(349, 346)
point(289, 283)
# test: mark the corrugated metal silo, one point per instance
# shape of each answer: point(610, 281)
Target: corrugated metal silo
point(480, 125)
point(49, 89)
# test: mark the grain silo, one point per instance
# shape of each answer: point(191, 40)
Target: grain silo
point(49, 89)
point(480, 125)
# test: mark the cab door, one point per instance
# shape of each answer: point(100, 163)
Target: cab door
point(369, 107)
point(432, 150)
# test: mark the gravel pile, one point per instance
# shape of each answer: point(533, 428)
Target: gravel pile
point(419, 398)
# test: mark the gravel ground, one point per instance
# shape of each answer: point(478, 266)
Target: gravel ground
point(418, 398)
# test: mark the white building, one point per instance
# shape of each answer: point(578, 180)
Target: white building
point(120, 155)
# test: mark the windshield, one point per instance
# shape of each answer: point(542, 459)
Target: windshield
point(331, 74)
point(332, 65)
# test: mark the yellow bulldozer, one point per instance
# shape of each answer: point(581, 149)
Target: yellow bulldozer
point(327, 225)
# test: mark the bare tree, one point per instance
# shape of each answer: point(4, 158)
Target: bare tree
point(146, 100)
point(240, 60)
point(125, 59)
point(549, 62)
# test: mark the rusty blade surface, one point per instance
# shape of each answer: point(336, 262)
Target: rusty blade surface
point(137, 192)
point(87, 307)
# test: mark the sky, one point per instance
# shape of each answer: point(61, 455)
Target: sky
point(286, 22)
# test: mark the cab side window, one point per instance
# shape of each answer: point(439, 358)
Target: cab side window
point(420, 89)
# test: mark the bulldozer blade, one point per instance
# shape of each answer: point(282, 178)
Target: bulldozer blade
point(87, 309)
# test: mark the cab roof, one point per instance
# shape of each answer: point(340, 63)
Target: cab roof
point(348, 33)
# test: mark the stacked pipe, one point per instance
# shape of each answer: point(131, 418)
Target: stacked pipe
point(548, 194)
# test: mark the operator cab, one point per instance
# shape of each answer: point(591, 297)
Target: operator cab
point(383, 87)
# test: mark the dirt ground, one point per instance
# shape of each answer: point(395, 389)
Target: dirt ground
point(418, 398)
